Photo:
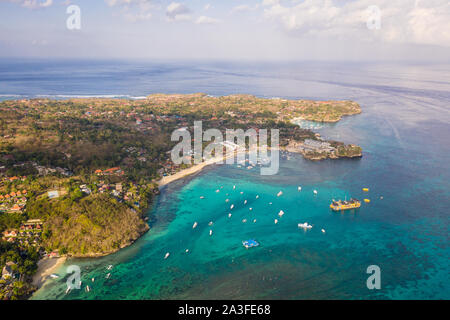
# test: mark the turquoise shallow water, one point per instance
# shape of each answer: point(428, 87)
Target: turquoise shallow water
point(404, 131)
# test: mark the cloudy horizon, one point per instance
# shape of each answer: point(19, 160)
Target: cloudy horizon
point(228, 30)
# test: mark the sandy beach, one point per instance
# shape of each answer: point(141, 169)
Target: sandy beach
point(186, 172)
point(198, 167)
point(46, 267)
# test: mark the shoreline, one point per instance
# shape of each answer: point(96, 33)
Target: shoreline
point(46, 267)
point(191, 170)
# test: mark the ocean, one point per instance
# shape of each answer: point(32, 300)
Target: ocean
point(403, 130)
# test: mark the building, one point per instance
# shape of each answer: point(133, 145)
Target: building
point(9, 270)
point(316, 146)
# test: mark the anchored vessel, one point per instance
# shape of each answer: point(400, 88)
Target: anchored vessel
point(250, 243)
point(345, 205)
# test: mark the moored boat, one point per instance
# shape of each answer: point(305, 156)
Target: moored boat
point(345, 205)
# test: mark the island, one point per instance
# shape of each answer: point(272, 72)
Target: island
point(77, 176)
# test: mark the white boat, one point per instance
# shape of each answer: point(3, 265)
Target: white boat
point(323, 230)
point(226, 200)
point(187, 251)
point(88, 289)
point(229, 215)
point(279, 193)
point(245, 201)
point(276, 221)
point(67, 290)
point(167, 255)
point(217, 190)
point(242, 192)
point(108, 275)
point(202, 197)
point(244, 220)
point(254, 221)
point(109, 267)
point(232, 206)
point(270, 203)
point(305, 225)
point(281, 213)
point(257, 197)
point(93, 279)
point(54, 276)
point(234, 187)
point(210, 223)
point(195, 225)
point(210, 232)
point(315, 191)
point(250, 208)
point(299, 188)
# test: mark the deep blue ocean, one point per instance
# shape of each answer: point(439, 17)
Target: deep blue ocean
point(404, 130)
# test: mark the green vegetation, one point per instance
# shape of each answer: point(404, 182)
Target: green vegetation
point(91, 166)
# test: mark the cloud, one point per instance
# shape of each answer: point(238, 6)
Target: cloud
point(178, 12)
point(32, 4)
point(134, 10)
point(416, 22)
point(206, 20)
point(244, 7)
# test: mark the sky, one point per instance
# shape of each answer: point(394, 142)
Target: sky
point(366, 30)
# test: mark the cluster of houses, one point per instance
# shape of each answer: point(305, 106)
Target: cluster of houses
point(310, 145)
point(12, 179)
point(43, 171)
point(28, 234)
point(13, 201)
point(168, 168)
point(115, 189)
point(116, 171)
point(9, 271)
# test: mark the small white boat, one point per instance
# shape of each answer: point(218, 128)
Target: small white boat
point(244, 220)
point(254, 221)
point(109, 267)
point(210, 223)
point(108, 275)
point(67, 290)
point(281, 213)
point(202, 197)
point(229, 215)
point(88, 289)
point(234, 187)
point(257, 197)
point(279, 193)
point(315, 191)
point(276, 221)
point(217, 190)
point(299, 188)
point(54, 276)
point(270, 203)
point(323, 230)
point(250, 208)
point(305, 225)
point(232, 206)
point(245, 201)
point(93, 279)
point(210, 232)
point(242, 192)
point(195, 225)
point(187, 251)
point(167, 255)
point(226, 200)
